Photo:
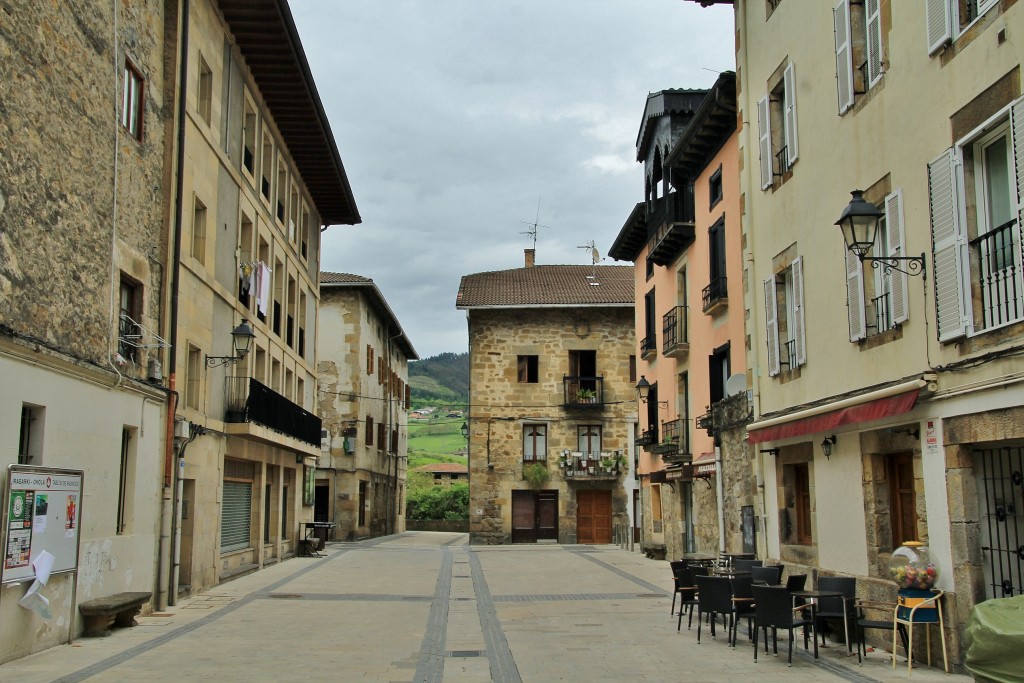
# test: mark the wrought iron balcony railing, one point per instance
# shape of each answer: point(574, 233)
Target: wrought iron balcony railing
point(248, 400)
point(583, 392)
point(672, 219)
point(592, 465)
point(715, 295)
point(649, 347)
point(675, 338)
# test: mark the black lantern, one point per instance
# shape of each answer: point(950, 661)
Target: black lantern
point(241, 337)
point(643, 389)
point(826, 445)
point(465, 430)
point(859, 224)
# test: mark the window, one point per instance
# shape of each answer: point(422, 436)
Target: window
point(204, 97)
point(30, 436)
point(649, 344)
point(776, 127)
point(589, 439)
point(945, 20)
point(369, 430)
point(293, 214)
point(977, 252)
point(784, 318)
point(282, 189)
point(715, 295)
point(632, 369)
point(902, 500)
point(526, 367)
point(715, 188)
point(132, 100)
point(199, 231)
point(192, 377)
point(304, 232)
point(249, 137)
point(129, 334)
point(718, 368)
point(266, 165)
point(878, 303)
point(126, 480)
point(369, 359)
point(534, 442)
point(858, 36)
point(381, 443)
point(362, 504)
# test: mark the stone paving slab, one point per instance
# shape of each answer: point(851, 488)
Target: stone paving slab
point(428, 607)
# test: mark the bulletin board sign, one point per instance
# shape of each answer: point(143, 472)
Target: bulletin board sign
point(42, 510)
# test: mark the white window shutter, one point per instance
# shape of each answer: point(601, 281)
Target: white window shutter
point(897, 246)
point(873, 46)
point(771, 314)
point(986, 5)
point(799, 328)
point(764, 140)
point(938, 22)
point(949, 249)
point(1017, 164)
point(844, 54)
point(855, 296)
point(789, 84)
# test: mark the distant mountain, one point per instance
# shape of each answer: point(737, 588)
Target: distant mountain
point(443, 378)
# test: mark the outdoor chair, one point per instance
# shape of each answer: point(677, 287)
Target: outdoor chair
point(773, 608)
point(742, 604)
point(765, 575)
point(796, 582)
point(683, 587)
point(864, 623)
point(714, 598)
point(838, 608)
point(746, 565)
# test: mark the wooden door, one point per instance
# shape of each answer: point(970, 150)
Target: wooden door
point(524, 527)
point(593, 516)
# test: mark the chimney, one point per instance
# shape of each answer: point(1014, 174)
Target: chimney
point(529, 257)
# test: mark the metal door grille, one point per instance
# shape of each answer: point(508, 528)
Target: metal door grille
point(1000, 477)
point(235, 516)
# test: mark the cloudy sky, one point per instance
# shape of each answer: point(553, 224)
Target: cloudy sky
point(455, 118)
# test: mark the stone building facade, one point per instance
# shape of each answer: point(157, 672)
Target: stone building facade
point(552, 403)
point(83, 273)
point(363, 370)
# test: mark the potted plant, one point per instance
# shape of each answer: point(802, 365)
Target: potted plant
point(536, 474)
point(621, 463)
point(586, 396)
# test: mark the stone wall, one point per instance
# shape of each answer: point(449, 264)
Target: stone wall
point(501, 405)
point(80, 198)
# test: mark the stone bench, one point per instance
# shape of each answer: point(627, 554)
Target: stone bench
point(119, 610)
point(655, 551)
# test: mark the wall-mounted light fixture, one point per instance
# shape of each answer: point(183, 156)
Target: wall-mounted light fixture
point(826, 445)
point(859, 223)
point(242, 337)
point(465, 430)
point(643, 391)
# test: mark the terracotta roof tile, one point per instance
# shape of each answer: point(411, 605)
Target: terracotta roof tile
point(541, 286)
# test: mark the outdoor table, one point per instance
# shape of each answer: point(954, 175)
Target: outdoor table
point(699, 558)
point(814, 596)
point(309, 544)
point(730, 572)
point(732, 557)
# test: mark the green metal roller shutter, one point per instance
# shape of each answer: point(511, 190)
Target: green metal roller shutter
point(235, 516)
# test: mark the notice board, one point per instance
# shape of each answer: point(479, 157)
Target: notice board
point(42, 511)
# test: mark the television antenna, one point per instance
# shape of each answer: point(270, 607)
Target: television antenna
point(532, 232)
point(595, 258)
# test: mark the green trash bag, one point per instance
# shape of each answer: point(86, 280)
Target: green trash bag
point(994, 640)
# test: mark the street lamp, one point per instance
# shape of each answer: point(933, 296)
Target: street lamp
point(242, 337)
point(643, 389)
point(859, 224)
point(826, 445)
point(465, 430)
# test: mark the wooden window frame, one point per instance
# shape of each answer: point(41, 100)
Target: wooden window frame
point(526, 368)
point(133, 100)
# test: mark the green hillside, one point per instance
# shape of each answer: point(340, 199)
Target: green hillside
point(443, 378)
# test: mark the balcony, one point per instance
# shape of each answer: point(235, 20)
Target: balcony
point(672, 218)
point(646, 439)
point(675, 337)
point(715, 296)
point(583, 392)
point(707, 422)
point(649, 347)
point(674, 446)
point(592, 466)
point(249, 401)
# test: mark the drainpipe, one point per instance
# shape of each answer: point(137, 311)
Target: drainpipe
point(167, 507)
point(720, 495)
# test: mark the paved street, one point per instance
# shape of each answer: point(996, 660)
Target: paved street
point(428, 607)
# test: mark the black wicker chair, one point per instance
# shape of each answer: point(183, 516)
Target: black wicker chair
point(746, 565)
point(714, 598)
point(838, 608)
point(742, 604)
point(768, 576)
point(773, 609)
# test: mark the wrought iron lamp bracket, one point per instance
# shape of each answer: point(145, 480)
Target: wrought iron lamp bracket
point(915, 265)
